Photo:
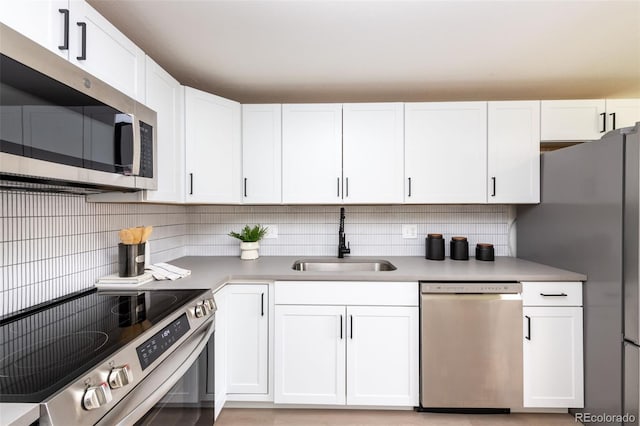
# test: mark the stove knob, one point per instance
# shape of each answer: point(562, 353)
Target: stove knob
point(200, 311)
point(120, 376)
point(210, 303)
point(96, 396)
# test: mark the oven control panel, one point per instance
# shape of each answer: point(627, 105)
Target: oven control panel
point(471, 288)
point(151, 350)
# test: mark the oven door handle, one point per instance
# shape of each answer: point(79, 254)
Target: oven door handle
point(158, 385)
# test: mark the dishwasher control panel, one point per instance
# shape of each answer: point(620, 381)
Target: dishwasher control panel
point(469, 287)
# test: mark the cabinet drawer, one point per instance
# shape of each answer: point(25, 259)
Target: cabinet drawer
point(552, 293)
point(346, 293)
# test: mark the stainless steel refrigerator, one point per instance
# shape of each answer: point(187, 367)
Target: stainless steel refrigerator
point(587, 222)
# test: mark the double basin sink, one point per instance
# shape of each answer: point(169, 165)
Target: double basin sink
point(342, 265)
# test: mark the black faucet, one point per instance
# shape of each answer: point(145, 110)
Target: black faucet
point(343, 248)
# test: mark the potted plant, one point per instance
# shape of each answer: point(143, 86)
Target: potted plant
point(249, 238)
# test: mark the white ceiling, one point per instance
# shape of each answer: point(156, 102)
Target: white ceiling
point(348, 51)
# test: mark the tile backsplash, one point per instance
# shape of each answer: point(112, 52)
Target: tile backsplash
point(371, 230)
point(55, 244)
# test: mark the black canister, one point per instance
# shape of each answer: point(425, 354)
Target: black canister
point(459, 248)
point(484, 251)
point(434, 247)
point(130, 259)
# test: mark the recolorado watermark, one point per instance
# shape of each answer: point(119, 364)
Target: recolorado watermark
point(604, 418)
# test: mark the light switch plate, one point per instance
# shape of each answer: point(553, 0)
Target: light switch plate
point(272, 232)
point(409, 231)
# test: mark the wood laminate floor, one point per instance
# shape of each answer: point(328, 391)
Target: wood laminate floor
point(294, 417)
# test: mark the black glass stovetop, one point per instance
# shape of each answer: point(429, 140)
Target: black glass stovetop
point(43, 351)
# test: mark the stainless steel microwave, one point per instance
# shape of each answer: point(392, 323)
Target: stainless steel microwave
point(61, 126)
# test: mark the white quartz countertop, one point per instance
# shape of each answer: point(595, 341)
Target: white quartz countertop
point(214, 271)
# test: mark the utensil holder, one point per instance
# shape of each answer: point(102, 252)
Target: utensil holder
point(131, 259)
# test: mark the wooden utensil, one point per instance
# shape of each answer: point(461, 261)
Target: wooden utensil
point(137, 234)
point(126, 237)
point(146, 233)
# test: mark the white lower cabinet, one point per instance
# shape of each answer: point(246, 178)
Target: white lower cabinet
point(338, 354)
point(309, 355)
point(382, 355)
point(552, 349)
point(247, 338)
point(220, 352)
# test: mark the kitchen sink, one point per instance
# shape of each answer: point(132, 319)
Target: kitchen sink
point(342, 265)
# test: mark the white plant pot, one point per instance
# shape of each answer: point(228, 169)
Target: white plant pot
point(249, 251)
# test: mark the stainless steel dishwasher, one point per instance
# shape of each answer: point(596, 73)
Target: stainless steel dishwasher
point(471, 346)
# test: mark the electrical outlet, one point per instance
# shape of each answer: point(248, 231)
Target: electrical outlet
point(409, 231)
point(272, 232)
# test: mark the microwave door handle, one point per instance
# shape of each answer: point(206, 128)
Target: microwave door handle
point(137, 141)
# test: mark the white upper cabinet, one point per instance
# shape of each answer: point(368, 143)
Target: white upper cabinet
point(262, 153)
point(213, 148)
point(43, 21)
point(514, 152)
point(98, 47)
point(445, 152)
point(586, 119)
point(622, 113)
point(77, 32)
point(166, 96)
point(372, 146)
point(572, 120)
point(312, 153)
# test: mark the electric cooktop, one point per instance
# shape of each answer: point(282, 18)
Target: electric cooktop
point(43, 350)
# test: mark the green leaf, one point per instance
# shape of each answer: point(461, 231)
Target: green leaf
point(250, 235)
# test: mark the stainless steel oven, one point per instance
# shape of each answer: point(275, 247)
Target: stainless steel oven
point(113, 358)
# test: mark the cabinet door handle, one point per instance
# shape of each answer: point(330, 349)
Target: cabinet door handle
point(340, 327)
point(604, 122)
point(83, 49)
point(493, 183)
point(262, 305)
point(553, 294)
point(528, 336)
point(347, 184)
point(409, 187)
point(65, 40)
point(190, 183)
point(338, 194)
point(245, 187)
point(351, 327)
point(613, 121)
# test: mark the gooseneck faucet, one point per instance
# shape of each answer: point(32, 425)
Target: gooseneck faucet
point(343, 247)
